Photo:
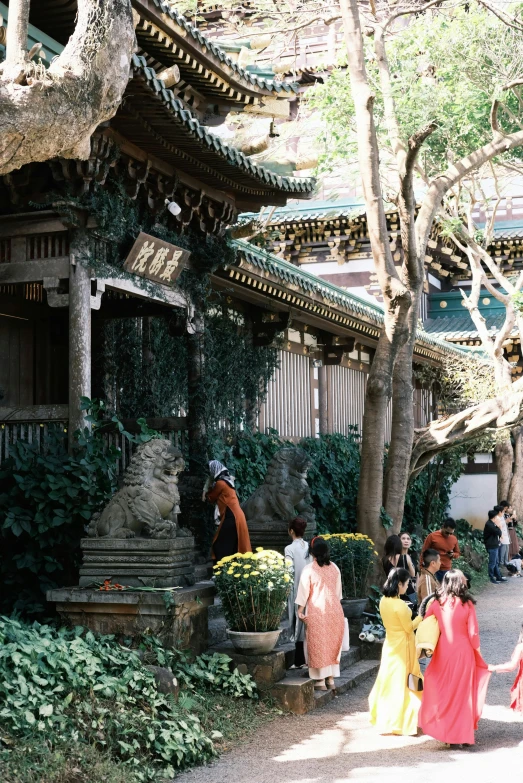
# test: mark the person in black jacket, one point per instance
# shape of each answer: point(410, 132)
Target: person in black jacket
point(491, 535)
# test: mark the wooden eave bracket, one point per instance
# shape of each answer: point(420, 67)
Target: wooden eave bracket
point(56, 299)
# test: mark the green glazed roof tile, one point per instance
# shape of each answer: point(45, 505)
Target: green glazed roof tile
point(313, 284)
point(217, 51)
point(230, 154)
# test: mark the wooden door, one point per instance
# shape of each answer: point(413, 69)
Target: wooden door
point(16, 361)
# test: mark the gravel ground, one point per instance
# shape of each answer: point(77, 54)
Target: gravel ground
point(336, 744)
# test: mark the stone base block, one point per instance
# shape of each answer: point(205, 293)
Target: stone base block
point(274, 535)
point(138, 562)
point(183, 624)
point(264, 669)
point(295, 695)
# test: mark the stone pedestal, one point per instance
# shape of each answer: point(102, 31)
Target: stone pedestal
point(274, 535)
point(182, 623)
point(138, 562)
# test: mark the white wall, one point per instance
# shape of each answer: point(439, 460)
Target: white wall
point(472, 496)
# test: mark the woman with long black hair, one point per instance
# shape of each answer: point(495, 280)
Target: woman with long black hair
point(319, 607)
point(457, 679)
point(393, 707)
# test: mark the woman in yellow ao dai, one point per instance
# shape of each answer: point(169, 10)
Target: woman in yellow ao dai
point(393, 707)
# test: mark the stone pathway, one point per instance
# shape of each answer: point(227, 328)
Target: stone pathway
point(336, 744)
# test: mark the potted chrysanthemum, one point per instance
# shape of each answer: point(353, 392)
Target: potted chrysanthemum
point(253, 588)
point(354, 555)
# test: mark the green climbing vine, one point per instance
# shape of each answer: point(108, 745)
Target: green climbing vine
point(140, 364)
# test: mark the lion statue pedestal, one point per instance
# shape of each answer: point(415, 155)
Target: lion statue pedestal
point(136, 540)
point(283, 494)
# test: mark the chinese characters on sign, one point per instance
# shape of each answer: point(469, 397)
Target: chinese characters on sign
point(155, 259)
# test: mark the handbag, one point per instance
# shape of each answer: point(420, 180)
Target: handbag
point(414, 683)
point(345, 645)
point(427, 636)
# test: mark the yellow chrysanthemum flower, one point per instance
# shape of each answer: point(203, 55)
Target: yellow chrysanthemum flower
point(259, 549)
point(236, 576)
point(263, 567)
point(255, 573)
point(286, 578)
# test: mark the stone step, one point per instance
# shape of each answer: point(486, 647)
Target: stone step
point(296, 694)
point(202, 571)
point(217, 632)
point(350, 678)
point(216, 610)
point(347, 658)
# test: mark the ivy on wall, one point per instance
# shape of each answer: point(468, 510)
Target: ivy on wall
point(141, 366)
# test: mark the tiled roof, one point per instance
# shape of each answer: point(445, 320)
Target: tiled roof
point(508, 229)
point(313, 210)
point(461, 327)
point(207, 46)
point(298, 278)
point(158, 122)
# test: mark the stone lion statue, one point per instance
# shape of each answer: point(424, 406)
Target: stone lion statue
point(284, 491)
point(148, 504)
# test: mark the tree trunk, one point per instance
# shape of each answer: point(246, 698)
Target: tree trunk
point(504, 459)
point(402, 433)
point(16, 39)
point(515, 493)
point(396, 296)
point(53, 113)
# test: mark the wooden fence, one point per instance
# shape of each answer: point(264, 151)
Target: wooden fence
point(34, 424)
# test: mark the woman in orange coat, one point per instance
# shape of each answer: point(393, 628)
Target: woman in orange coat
point(232, 535)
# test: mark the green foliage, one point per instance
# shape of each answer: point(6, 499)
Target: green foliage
point(253, 588)
point(78, 688)
point(39, 759)
point(517, 301)
point(428, 496)
point(209, 671)
point(333, 479)
point(446, 68)
point(46, 499)
point(354, 555)
point(142, 363)
point(333, 476)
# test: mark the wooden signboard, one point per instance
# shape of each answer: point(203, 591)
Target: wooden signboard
point(155, 259)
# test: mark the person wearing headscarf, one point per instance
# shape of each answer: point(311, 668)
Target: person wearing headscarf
point(232, 535)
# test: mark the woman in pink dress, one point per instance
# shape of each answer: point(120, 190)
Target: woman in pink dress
point(318, 598)
point(516, 662)
point(457, 679)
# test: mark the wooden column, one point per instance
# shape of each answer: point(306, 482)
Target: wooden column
point(196, 419)
point(79, 329)
point(323, 395)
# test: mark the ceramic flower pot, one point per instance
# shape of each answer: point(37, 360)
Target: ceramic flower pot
point(254, 642)
point(353, 607)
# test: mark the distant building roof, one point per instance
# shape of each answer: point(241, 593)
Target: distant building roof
point(326, 299)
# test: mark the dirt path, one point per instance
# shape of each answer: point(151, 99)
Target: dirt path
point(336, 744)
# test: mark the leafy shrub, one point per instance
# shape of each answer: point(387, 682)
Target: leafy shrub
point(253, 588)
point(46, 499)
point(333, 477)
point(208, 671)
point(354, 554)
point(71, 687)
point(428, 496)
